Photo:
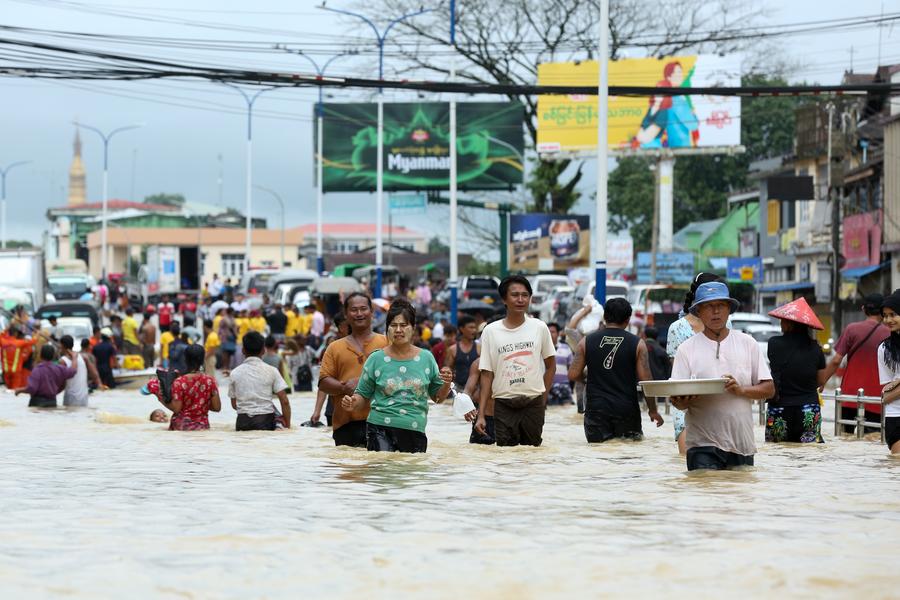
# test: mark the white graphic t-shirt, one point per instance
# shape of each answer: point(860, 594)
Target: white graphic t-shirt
point(516, 357)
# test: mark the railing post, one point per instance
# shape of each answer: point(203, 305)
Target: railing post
point(668, 405)
point(860, 415)
point(837, 413)
point(882, 423)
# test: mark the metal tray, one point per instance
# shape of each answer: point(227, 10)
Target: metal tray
point(682, 387)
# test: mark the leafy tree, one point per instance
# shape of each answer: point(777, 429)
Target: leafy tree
point(477, 266)
point(167, 199)
point(437, 246)
point(24, 244)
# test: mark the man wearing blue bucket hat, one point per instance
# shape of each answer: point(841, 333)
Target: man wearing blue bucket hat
point(720, 426)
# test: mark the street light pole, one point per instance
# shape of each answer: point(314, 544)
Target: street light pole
point(380, 36)
point(106, 137)
point(320, 191)
point(250, 100)
point(281, 204)
point(602, 154)
point(3, 173)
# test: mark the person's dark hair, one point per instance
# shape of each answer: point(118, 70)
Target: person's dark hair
point(67, 342)
point(651, 332)
point(872, 304)
point(508, 281)
point(207, 323)
point(271, 342)
point(193, 357)
point(175, 329)
point(353, 295)
point(401, 307)
point(699, 280)
point(129, 311)
point(554, 326)
point(339, 319)
point(617, 311)
point(48, 352)
point(184, 337)
point(892, 343)
point(85, 343)
point(449, 329)
point(465, 320)
point(253, 343)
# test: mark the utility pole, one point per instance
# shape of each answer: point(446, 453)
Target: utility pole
point(836, 320)
point(654, 243)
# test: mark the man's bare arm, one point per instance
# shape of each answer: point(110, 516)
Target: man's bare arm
point(576, 369)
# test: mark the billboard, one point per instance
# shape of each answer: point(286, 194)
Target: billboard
point(744, 270)
point(542, 242)
point(569, 123)
point(490, 146)
point(671, 267)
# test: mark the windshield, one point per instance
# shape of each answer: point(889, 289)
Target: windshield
point(69, 311)
point(259, 281)
point(766, 335)
point(76, 330)
point(484, 284)
point(548, 285)
point(615, 291)
point(68, 286)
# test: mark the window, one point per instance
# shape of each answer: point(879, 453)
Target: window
point(346, 247)
point(233, 265)
point(788, 214)
point(202, 264)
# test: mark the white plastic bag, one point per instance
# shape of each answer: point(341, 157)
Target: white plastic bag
point(591, 322)
point(462, 405)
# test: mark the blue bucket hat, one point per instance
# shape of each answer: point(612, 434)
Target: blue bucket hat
point(712, 292)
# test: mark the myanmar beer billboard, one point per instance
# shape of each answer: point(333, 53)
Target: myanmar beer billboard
point(542, 242)
point(569, 123)
point(416, 146)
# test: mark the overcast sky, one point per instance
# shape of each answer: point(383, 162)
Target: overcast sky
point(187, 125)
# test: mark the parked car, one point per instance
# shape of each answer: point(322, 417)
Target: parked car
point(741, 320)
point(69, 309)
point(256, 281)
point(762, 333)
point(614, 289)
point(479, 287)
point(550, 312)
point(70, 287)
point(541, 287)
point(78, 327)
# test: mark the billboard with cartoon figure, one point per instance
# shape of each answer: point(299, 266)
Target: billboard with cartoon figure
point(569, 123)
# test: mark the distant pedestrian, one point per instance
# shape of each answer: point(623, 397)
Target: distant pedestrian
point(105, 353)
point(47, 379)
point(165, 311)
point(561, 390)
point(77, 387)
point(147, 337)
point(517, 362)
point(131, 343)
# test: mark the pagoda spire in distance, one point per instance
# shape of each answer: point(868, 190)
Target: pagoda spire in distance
point(77, 187)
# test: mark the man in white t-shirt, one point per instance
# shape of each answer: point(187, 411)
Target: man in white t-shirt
point(518, 362)
point(720, 427)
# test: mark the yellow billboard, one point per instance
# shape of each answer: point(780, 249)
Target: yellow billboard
point(569, 123)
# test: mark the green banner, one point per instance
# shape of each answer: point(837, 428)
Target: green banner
point(416, 146)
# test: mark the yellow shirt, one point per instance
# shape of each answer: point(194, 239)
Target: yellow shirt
point(293, 323)
point(129, 331)
point(426, 334)
point(164, 340)
point(216, 320)
point(258, 324)
point(212, 342)
point(305, 323)
point(243, 326)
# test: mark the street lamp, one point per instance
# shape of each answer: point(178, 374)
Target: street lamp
point(106, 137)
point(281, 204)
point(320, 192)
point(3, 173)
point(250, 100)
point(380, 36)
point(602, 151)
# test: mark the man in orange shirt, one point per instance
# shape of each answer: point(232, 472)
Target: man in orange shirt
point(342, 364)
point(15, 351)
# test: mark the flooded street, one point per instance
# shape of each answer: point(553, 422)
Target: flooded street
point(101, 503)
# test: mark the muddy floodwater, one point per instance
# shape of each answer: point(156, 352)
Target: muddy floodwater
point(100, 502)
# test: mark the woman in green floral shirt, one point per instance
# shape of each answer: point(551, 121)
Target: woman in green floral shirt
point(398, 381)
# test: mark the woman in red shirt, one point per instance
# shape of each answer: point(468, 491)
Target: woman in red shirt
point(193, 394)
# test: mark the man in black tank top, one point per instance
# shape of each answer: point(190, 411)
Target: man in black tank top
point(616, 360)
point(463, 353)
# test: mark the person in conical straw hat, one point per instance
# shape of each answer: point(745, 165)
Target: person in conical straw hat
point(798, 370)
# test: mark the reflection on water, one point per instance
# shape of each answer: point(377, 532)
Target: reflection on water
point(101, 502)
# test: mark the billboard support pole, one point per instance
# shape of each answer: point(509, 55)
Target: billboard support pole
point(666, 168)
point(504, 242)
point(654, 239)
point(379, 193)
point(454, 249)
point(602, 153)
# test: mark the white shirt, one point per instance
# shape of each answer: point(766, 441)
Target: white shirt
point(76, 393)
point(885, 376)
point(516, 357)
point(215, 287)
point(438, 331)
point(239, 306)
point(317, 327)
point(253, 384)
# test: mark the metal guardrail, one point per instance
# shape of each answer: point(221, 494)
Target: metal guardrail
point(860, 420)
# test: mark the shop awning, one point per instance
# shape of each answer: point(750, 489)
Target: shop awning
point(783, 287)
point(858, 272)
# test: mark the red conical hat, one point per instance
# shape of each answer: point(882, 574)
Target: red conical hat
point(799, 312)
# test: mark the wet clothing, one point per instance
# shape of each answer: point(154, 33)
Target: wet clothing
point(891, 430)
point(177, 361)
point(859, 342)
point(516, 357)
point(343, 361)
point(48, 379)
point(105, 352)
point(715, 459)
point(42, 401)
point(519, 421)
point(253, 384)
point(77, 386)
point(795, 361)
point(794, 423)
point(263, 422)
point(488, 438)
point(15, 353)
point(724, 421)
point(381, 438)
point(194, 391)
point(612, 406)
point(660, 365)
point(353, 434)
point(462, 362)
point(399, 390)
point(886, 375)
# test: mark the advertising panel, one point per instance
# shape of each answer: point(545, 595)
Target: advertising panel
point(542, 242)
point(569, 123)
point(416, 151)
point(671, 267)
point(862, 239)
point(745, 270)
